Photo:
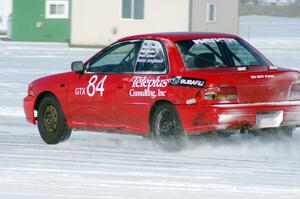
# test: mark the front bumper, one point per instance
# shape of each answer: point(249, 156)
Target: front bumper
point(198, 119)
point(28, 105)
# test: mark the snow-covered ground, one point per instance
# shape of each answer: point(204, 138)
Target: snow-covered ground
point(278, 38)
point(98, 165)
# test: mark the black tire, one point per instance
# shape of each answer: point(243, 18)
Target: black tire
point(52, 123)
point(166, 127)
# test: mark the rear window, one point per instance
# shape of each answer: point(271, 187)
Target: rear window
point(219, 52)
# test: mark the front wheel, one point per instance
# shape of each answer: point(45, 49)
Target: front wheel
point(166, 127)
point(52, 123)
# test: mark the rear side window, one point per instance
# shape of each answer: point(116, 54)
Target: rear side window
point(151, 58)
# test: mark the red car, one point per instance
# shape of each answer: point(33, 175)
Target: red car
point(168, 85)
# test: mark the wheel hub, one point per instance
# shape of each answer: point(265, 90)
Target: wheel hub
point(166, 124)
point(50, 119)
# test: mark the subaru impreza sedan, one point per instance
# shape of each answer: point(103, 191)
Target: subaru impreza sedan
point(167, 85)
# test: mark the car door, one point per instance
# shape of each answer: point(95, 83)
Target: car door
point(94, 97)
point(147, 85)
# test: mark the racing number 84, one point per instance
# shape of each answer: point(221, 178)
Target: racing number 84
point(93, 86)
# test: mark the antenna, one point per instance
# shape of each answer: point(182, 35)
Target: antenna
point(249, 31)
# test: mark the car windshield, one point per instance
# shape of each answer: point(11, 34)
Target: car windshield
point(219, 52)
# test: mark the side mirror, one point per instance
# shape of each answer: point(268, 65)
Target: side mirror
point(77, 67)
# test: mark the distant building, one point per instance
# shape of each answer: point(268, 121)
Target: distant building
point(99, 22)
point(41, 20)
point(5, 13)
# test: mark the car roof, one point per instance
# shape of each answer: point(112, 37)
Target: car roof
point(180, 36)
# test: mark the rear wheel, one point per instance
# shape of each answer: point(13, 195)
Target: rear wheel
point(166, 127)
point(52, 123)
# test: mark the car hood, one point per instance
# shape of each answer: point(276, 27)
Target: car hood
point(57, 78)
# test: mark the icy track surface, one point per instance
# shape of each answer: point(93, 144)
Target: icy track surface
point(111, 166)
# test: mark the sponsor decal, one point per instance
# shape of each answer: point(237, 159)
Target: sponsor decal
point(262, 76)
point(175, 80)
point(93, 87)
point(151, 53)
point(213, 40)
point(186, 81)
point(147, 93)
point(148, 87)
point(145, 82)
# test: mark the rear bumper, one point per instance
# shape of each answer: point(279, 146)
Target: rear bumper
point(197, 119)
point(28, 105)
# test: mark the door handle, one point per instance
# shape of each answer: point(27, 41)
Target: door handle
point(120, 87)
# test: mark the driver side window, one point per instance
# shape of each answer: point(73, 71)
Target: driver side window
point(118, 59)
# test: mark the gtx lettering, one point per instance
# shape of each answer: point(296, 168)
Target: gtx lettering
point(80, 91)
